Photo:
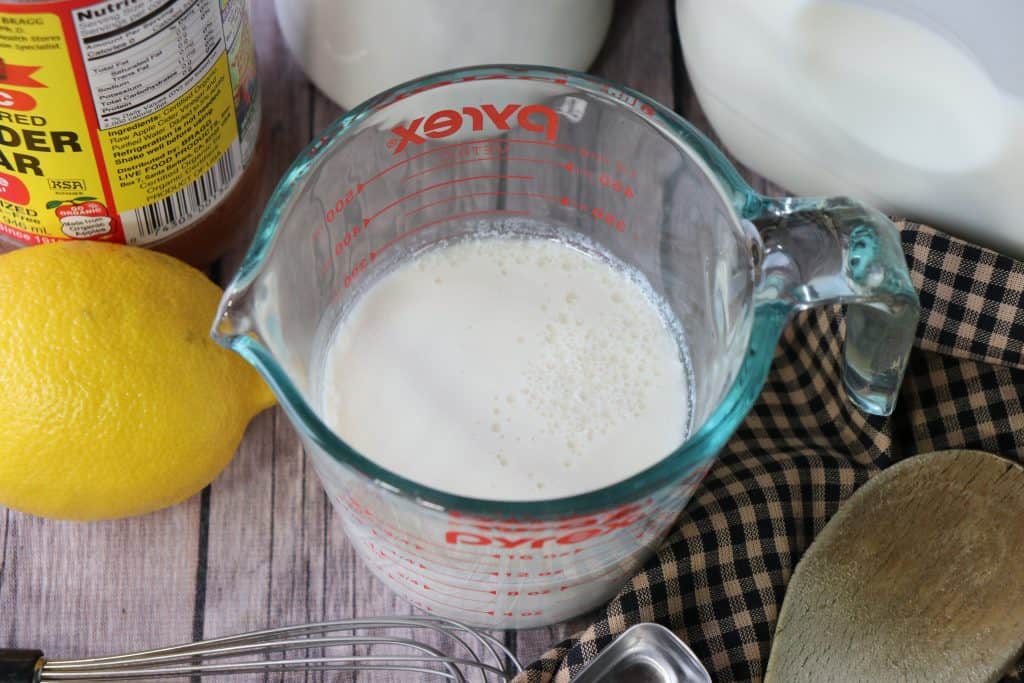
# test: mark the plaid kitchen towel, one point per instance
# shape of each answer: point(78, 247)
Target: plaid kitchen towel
point(719, 579)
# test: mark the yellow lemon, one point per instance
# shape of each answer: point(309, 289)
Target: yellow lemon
point(114, 400)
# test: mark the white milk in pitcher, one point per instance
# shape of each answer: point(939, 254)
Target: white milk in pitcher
point(508, 368)
point(914, 106)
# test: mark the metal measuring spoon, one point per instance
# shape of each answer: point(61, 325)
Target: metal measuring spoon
point(918, 577)
point(645, 653)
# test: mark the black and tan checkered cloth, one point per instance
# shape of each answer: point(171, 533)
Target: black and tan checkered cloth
point(719, 579)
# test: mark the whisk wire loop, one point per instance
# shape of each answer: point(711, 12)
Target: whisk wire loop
point(207, 656)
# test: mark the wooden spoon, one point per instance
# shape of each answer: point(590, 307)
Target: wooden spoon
point(918, 577)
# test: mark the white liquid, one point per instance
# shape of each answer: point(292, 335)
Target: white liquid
point(508, 369)
point(914, 106)
point(353, 49)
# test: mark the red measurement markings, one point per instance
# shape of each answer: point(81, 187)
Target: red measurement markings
point(608, 217)
point(463, 588)
point(381, 550)
point(468, 214)
point(382, 529)
point(341, 245)
point(594, 538)
point(603, 545)
point(339, 248)
point(358, 269)
point(478, 562)
point(597, 213)
point(407, 160)
point(432, 587)
point(619, 514)
point(380, 562)
point(615, 185)
point(578, 170)
point(605, 180)
point(431, 584)
point(440, 555)
point(534, 195)
point(433, 573)
point(526, 575)
point(607, 529)
point(453, 571)
point(546, 556)
point(546, 162)
point(428, 188)
point(416, 603)
point(523, 594)
point(423, 546)
point(342, 203)
point(468, 610)
point(592, 155)
point(621, 167)
point(630, 100)
point(413, 598)
point(418, 598)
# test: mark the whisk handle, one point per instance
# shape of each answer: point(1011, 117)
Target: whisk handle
point(20, 666)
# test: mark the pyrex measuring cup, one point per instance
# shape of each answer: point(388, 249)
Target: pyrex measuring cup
point(446, 157)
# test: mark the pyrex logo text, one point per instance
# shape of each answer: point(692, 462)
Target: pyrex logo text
point(536, 118)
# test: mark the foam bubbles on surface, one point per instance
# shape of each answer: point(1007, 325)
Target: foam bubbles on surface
point(508, 368)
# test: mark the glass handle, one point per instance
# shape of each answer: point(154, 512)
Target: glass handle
point(828, 251)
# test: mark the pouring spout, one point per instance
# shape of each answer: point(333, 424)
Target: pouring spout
point(233, 319)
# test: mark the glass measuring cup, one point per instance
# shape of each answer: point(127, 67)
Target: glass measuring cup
point(445, 157)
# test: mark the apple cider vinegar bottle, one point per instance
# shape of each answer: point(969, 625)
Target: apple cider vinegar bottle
point(130, 121)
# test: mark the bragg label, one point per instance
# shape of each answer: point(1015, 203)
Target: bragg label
point(123, 121)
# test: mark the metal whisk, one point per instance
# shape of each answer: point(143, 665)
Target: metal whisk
point(287, 649)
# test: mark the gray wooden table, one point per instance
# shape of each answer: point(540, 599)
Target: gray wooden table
point(261, 546)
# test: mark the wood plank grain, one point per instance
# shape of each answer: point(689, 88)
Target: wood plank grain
point(5, 571)
point(267, 510)
point(267, 523)
point(79, 589)
point(638, 50)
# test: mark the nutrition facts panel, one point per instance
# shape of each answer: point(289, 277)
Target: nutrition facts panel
point(140, 56)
